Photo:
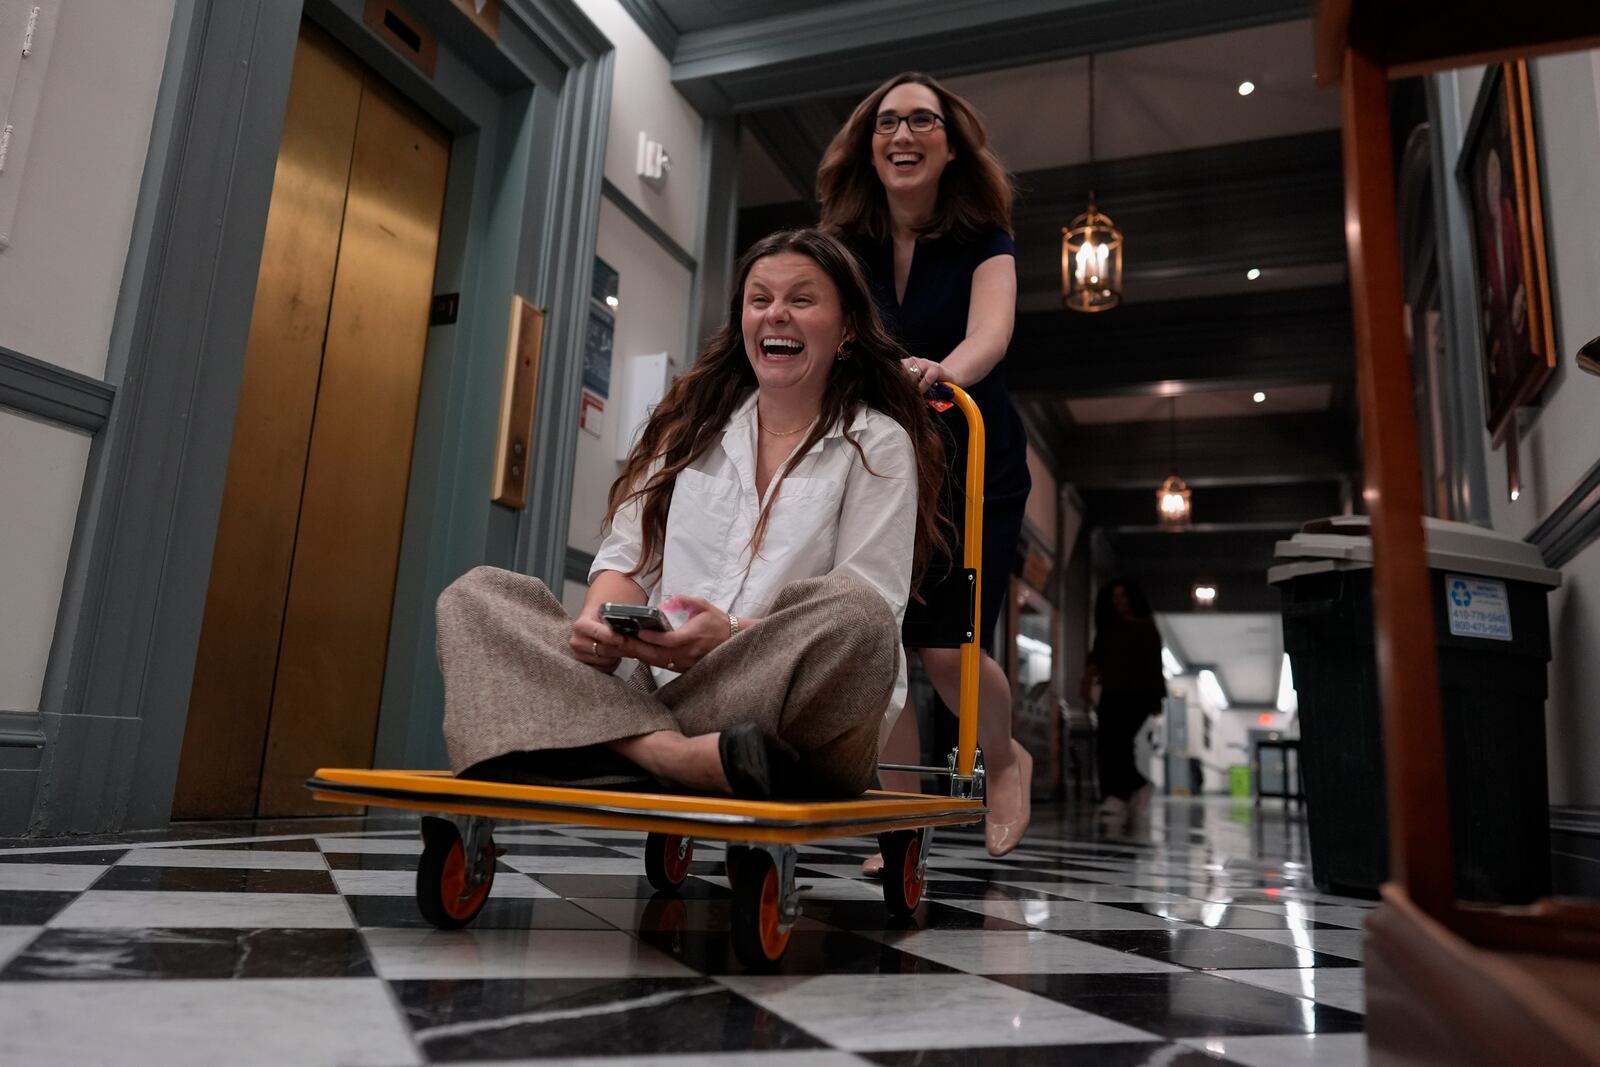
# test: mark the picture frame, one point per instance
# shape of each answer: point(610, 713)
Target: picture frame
point(1499, 177)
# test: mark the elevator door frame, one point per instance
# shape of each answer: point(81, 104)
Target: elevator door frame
point(528, 113)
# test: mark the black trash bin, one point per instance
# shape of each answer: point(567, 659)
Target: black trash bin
point(1492, 630)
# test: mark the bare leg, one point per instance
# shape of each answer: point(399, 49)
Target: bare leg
point(1003, 759)
point(692, 762)
point(902, 745)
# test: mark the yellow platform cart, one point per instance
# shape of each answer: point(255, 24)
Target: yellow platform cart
point(456, 869)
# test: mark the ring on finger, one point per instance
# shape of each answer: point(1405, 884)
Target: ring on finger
point(594, 648)
point(672, 665)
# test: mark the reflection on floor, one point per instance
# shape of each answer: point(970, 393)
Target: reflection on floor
point(1200, 941)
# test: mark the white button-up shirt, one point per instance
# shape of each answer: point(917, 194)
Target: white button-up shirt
point(831, 516)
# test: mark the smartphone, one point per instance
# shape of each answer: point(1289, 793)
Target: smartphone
point(629, 619)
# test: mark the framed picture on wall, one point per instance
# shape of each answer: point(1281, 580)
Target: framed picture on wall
point(1499, 176)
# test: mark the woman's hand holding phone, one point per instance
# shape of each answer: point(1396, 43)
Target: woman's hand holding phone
point(704, 627)
point(595, 643)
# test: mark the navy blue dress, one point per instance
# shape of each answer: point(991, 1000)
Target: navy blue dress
point(931, 322)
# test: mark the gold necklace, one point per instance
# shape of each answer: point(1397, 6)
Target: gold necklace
point(775, 433)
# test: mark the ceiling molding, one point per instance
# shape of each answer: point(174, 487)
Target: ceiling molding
point(1273, 204)
point(1255, 340)
point(855, 45)
point(1210, 452)
point(655, 24)
point(1283, 506)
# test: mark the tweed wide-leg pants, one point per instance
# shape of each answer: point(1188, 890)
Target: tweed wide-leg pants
point(816, 674)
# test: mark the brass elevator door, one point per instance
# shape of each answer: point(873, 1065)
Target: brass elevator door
point(291, 658)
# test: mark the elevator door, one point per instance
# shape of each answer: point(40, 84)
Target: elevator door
point(292, 648)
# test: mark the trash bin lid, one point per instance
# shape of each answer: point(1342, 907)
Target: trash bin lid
point(1345, 542)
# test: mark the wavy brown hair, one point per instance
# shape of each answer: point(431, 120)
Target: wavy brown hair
point(975, 192)
point(699, 404)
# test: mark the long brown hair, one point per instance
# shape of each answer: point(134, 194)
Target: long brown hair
point(975, 192)
point(699, 404)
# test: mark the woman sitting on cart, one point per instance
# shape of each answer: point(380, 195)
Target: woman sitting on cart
point(779, 503)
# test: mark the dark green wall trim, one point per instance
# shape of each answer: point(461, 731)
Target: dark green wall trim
point(718, 227)
point(771, 62)
point(1574, 523)
point(655, 24)
point(117, 684)
point(555, 265)
point(53, 393)
point(577, 566)
point(21, 729)
point(651, 228)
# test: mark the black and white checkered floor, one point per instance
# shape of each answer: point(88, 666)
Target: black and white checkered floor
point(300, 943)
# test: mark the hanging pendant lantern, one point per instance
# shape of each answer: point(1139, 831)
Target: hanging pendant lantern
point(1091, 262)
point(1172, 503)
point(1091, 247)
point(1172, 499)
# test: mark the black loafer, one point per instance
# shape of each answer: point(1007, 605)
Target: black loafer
point(748, 761)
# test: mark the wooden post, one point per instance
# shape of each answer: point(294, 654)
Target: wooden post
point(1419, 845)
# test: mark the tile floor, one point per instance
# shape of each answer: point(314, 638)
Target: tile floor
point(1201, 941)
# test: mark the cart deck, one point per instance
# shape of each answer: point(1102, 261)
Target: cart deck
point(715, 818)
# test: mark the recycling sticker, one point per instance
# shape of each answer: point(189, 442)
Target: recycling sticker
point(1478, 607)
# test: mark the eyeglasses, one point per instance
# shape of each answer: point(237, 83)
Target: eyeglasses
point(888, 123)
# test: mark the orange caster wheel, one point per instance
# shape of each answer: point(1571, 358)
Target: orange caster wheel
point(904, 876)
point(666, 860)
point(445, 895)
point(760, 931)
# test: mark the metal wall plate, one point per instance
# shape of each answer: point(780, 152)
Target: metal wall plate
point(517, 404)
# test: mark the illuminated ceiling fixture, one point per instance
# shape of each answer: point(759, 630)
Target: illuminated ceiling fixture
point(1205, 595)
point(1288, 699)
point(1211, 690)
point(1259, 398)
point(1253, 273)
point(1091, 247)
point(1170, 664)
point(1172, 499)
point(1246, 88)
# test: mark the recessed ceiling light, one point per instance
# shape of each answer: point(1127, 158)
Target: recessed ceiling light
point(612, 301)
point(1253, 273)
point(1259, 397)
point(1246, 88)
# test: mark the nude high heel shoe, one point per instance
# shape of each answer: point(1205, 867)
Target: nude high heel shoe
point(1002, 837)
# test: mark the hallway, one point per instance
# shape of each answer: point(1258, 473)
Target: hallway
point(300, 942)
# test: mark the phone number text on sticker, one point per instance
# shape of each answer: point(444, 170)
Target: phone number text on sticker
point(1478, 607)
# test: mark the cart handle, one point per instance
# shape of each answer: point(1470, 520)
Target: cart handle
point(972, 556)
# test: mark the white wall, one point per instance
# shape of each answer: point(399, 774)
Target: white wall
point(643, 99)
point(655, 291)
point(59, 277)
point(42, 470)
point(652, 315)
point(1561, 440)
point(59, 280)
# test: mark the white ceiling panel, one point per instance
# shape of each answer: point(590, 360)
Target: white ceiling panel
point(1246, 650)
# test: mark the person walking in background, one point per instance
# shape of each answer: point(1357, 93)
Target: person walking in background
point(910, 185)
point(1125, 662)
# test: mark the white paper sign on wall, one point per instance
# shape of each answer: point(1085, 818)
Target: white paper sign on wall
point(1478, 607)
